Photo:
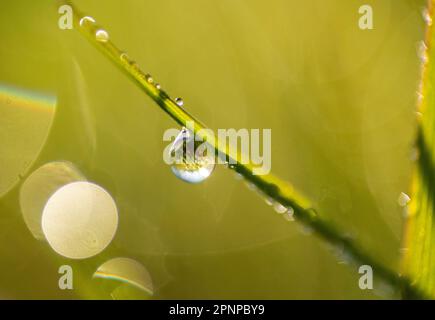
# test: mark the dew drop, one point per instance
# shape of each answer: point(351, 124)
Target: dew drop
point(101, 35)
point(403, 199)
point(149, 78)
point(289, 215)
point(188, 164)
point(125, 58)
point(86, 19)
point(280, 208)
point(268, 200)
point(422, 51)
point(158, 86)
point(426, 16)
point(179, 102)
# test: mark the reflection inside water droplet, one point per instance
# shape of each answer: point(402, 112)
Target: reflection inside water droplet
point(128, 271)
point(102, 35)
point(80, 220)
point(192, 164)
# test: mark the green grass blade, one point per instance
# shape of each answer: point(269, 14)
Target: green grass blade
point(269, 185)
point(419, 249)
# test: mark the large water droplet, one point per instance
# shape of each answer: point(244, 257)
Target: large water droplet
point(101, 35)
point(190, 165)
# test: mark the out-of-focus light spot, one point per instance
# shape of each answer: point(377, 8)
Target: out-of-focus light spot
point(80, 220)
point(128, 271)
point(40, 186)
point(26, 118)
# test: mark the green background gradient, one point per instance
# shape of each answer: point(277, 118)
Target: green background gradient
point(340, 102)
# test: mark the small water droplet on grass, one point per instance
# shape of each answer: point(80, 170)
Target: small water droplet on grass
point(179, 102)
point(101, 35)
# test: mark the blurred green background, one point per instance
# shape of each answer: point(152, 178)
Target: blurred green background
point(339, 100)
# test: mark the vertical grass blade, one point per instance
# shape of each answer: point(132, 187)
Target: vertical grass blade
point(419, 244)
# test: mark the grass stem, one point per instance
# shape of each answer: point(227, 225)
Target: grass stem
point(269, 185)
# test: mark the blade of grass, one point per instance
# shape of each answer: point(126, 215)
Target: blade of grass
point(418, 261)
point(270, 186)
